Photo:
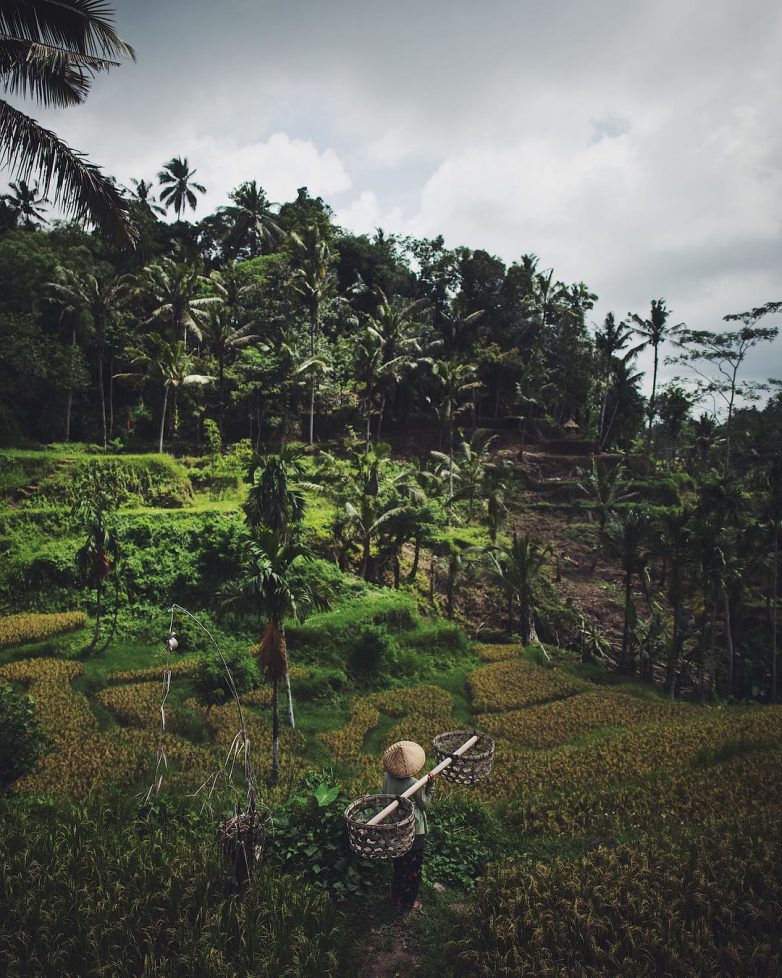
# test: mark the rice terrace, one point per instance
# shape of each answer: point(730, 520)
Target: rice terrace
point(379, 600)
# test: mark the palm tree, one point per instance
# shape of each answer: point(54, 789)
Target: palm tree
point(26, 203)
point(772, 506)
point(610, 341)
point(99, 298)
point(98, 555)
point(266, 580)
point(143, 194)
point(675, 544)
point(175, 292)
point(222, 335)
point(496, 510)
point(457, 382)
point(394, 323)
point(176, 368)
point(51, 51)
point(626, 538)
point(176, 177)
point(517, 571)
point(474, 464)
point(313, 280)
point(275, 498)
point(653, 332)
point(251, 221)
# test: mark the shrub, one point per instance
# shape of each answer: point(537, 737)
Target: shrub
point(309, 839)
point(371, 654)
point(22, 628)
point(20, 738)
point(211, 682)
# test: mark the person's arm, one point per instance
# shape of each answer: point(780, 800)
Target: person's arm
point(424, 794)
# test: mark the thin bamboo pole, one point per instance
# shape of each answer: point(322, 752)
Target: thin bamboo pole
point(422, 781)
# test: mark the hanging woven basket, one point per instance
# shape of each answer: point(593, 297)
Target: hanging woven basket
point(241, 839)
point(388, 839)
point(472, 766)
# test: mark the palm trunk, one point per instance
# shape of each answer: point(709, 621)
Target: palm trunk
point(526, 620)
point(69, 402)
point(416, 558)
point(163, 418)
point(221, 395)
point(673, 657)
point(651, 408)
point(365, 559)
point(312, 409)
point(98, 611)
point(102, 397)
point(111, 396)
point(774, 596)
point(729, 640)
point(380, 419)
point(291, 718)
point(626, 629)
point(275, 731)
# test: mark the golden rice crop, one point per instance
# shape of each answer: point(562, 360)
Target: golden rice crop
point(557, 722)
point(138, 705)
point(80, 756)
point(510, 684)
point(27, 627)
point(496, 653)
point(177, 667)
point(695, 901)
point(750, 784)
point(623, 755)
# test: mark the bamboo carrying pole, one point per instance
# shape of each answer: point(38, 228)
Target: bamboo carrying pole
point(422, 781)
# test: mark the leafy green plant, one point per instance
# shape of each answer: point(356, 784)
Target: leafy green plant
point(20, 737)
point(210, 679)
point(309, 839)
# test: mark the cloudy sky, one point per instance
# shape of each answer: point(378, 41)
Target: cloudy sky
point(634, 145)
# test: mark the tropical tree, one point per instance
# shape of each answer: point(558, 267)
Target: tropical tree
point(98, 555)
point(178, 296)
point(313, 280)
point(496, 508)
point(653, 332)
point(456, 383)
point(51, 52)
point(471, 466)
point(176, 367)
point(222, 335)
point(26, 204)
point(517, 571)
point(726, 352)
point(772, 518)
point(675, 545)
point(395, 324)
point(267, 580)
point(250, 218)
point(179, 188)
point(611, 340)
point(144, 196)
point(626, 538)
point(275, 497)
point(98, 298)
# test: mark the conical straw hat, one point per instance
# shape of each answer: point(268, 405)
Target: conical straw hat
point(404, 759)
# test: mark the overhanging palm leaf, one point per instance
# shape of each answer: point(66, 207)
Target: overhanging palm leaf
point(74, 184)
point(49, 51)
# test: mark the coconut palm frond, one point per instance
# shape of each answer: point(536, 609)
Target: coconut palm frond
point(78, 186)
point(82, 26)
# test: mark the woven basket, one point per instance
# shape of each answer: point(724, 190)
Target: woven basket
point(472, 766)
point(241, 840)
point(388, 839)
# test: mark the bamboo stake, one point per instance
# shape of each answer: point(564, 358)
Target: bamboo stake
point(422, 781)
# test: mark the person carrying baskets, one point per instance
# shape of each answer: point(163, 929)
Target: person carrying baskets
point(402, 761)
